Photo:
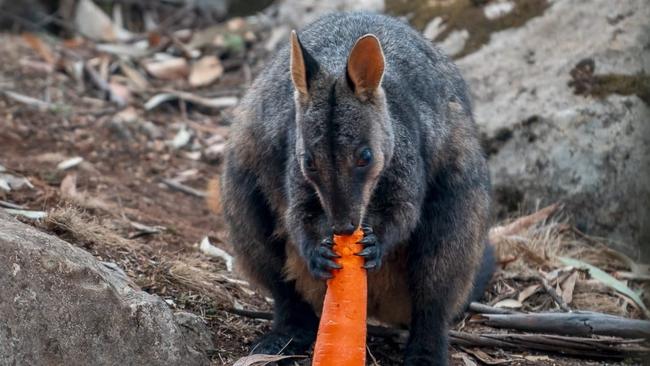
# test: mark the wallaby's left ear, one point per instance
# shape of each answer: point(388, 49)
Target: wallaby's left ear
point(365, 67)
point(303, 67)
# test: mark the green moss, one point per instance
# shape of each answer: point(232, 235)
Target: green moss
point(465, 14)
point(607, 84)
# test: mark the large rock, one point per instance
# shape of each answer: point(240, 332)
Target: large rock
point(550, 145)
point(61, 306)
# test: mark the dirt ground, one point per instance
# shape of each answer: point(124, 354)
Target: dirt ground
point(119, 185)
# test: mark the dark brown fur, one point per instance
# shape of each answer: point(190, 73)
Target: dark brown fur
point(295, 173)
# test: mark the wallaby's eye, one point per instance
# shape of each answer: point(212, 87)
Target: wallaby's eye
point(309, 162)
point(364, 157)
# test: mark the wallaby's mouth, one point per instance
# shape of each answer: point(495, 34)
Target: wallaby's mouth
point(344, 228)
point(345, 224)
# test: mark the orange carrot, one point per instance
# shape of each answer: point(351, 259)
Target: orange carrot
point(342, 331)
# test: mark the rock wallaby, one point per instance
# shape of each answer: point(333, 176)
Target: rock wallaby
point(359, 121)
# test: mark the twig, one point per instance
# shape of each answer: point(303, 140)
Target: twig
point(183, 188)
point(7, 204)
point(103, 85)
point(33, 102)
point(575, 324)
point(487, 309)
point(251, 313)
point(610, 348)
point(556, 297)
point(623, 275)
point(603, 348)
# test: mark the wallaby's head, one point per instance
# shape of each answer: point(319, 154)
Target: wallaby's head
point(344, 135)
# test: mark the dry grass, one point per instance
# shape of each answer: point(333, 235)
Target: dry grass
point(78, 227)
point(530, 251)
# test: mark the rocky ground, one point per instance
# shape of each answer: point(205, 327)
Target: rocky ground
point(111, 146)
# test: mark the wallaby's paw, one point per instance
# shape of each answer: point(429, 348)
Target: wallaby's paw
point(321, 260)
point(274, 343)
point(372, 251)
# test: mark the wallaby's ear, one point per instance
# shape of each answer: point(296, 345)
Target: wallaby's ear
point(365, 67)
point(302, 66)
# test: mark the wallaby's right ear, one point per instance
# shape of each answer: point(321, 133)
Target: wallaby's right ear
point(365, 68)
point(303, 66)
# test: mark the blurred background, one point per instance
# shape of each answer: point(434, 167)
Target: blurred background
point(113, 120)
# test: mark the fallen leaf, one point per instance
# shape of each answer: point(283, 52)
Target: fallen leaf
point(608, 280)
point(70, 163)
point(527, 292)
point(134, 50)
point(467, 361)
point(508, 303)
point(9, 182)
point(138, 81)
point(68, 186)
point(523, 223)
point(567, 287)
point(262, 360)
point(121, 91)
point(40, 47)
point(169, 69)
point(538, 358)
point(207, 248)
point(484, 357)
point(182, 138)
point(93, 23)
point(205, 71)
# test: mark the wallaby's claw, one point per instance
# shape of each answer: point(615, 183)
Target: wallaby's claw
point(321, 262)
point(371, 251)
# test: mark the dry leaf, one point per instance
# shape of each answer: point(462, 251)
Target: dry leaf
point(121, 91)
point(484, 357)
point(538, 358)
point(137, 80)
point(527, 292)
point(567, 287)
point(205, 71)
point(93, 23)
point(70, 163)
point(170, 69)
point(209, 249)
point(508, 303)
point(261, 360)
point(523, 223)
point(68, 186)
point(40, 47)
point(608, 280)
point(467, 361)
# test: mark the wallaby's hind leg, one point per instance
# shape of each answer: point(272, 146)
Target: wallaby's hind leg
point(444, 253)
point(262, 256)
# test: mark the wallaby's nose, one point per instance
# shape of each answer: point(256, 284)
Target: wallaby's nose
point(343, 228)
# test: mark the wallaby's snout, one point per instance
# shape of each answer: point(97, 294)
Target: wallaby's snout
point(344, 228)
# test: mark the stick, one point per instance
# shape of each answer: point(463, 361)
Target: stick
point(183, 188)
point(575, 324)
point(103, 85)
point(574, 346)
point(551, 291)
point(251, 313)
point(487, 309)
point(603, 348)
